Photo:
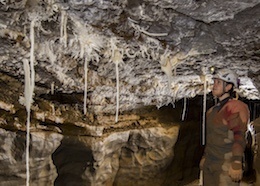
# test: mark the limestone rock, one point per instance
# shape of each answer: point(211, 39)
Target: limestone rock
point(121, 158)
point(42, 169)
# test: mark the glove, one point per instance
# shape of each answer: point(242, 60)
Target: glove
point(202, 162)
point(235, 171)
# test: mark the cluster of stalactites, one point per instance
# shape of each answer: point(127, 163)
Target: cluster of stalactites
point(88, 44)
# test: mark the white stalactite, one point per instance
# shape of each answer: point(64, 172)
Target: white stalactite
point(90, 46)
point(52, 88)
point(27, 149)
point(117, 92)
point(184, 109)
point(82, 49)
point(29, 75)
point(85, 84)
point(27, 105)
point(204, 111)
point(116, 56)
point(63, 28)
point(32, 61)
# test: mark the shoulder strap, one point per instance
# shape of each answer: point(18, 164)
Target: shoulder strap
point(219, 106)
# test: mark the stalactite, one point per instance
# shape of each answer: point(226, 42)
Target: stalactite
point(90, 45)
point(32, 60)
point(184, 109)
point(116, 56)
point(204, 110)
point(28, 93)
point(27, 149)
point(52, 88)
point(27, 96)
point(85, 84)
point(63, 28)
point(117, 92)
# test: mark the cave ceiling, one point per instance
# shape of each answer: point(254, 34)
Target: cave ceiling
point(150, 52)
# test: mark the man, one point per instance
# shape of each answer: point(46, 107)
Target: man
point(225, 134)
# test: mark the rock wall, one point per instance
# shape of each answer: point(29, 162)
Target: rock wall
point(134, 157)
point(121, 158)
point(12, 157)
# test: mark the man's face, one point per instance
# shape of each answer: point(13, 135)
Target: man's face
point(217, 89)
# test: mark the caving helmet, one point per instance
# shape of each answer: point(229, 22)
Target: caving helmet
point(228, 76)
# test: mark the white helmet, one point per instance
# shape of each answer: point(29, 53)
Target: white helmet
point(228, 76)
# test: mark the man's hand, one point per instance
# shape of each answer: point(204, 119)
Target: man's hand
point(235, 171)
